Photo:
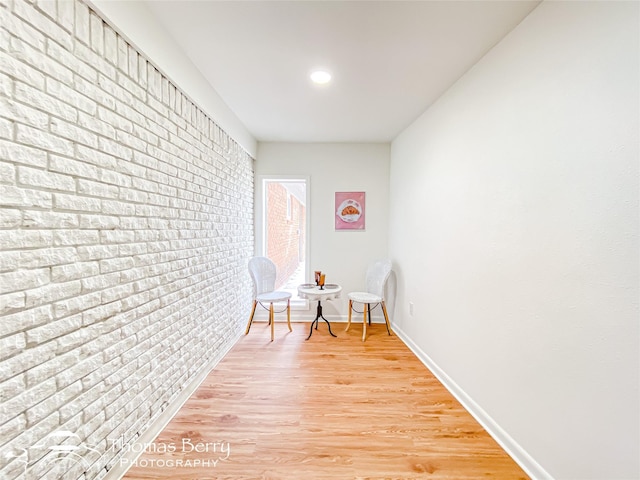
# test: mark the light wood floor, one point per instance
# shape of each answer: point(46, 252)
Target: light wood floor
point(327, 408)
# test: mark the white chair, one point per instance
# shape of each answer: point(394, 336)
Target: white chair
point(263, 274)
point(376, 279)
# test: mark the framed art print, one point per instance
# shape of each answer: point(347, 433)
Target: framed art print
point(349, 210)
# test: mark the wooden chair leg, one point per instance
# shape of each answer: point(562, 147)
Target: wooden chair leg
point(253, 311)
point(349, 316)
point(364, 323)
point(289, 314)
point(386, 317)
point(271, 319)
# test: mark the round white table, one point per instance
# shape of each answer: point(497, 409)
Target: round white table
point(313, 292)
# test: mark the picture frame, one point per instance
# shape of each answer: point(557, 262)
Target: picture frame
point(349, 211)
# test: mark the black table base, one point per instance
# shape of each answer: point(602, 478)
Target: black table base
point(317, 319)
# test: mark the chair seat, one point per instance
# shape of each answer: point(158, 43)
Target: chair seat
point(273, 297)
point(364, 297)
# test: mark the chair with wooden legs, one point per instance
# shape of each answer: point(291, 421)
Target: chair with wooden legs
point(376, 279)
point(263, 275)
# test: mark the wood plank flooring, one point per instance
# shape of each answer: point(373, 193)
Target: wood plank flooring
point(327, 408)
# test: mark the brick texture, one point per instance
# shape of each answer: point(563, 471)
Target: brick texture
point(285, 231)
point(126, 223)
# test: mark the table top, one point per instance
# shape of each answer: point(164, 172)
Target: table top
point(313, 292)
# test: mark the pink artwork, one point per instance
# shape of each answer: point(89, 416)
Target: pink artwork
point(349, 211)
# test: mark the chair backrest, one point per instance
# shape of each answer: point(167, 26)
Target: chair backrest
point(377, 276)
point(263, 274)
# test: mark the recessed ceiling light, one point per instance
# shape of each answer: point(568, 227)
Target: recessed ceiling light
point(320, 77)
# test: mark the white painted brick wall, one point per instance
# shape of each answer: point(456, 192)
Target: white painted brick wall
point(125, 227)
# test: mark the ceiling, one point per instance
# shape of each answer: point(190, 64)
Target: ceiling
point(389, 60)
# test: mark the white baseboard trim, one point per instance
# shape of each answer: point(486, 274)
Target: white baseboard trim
point(520, 456)
point(153, 430)
point(309, 317)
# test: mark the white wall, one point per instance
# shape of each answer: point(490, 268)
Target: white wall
point(343, 255)
point(514, 229)
point(140, 27)
point(123, 267)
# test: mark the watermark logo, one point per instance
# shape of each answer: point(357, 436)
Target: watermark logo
point(63, 451)
point(56, 454)
point(186, 453)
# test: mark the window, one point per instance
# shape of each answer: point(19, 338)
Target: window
point(284, 229)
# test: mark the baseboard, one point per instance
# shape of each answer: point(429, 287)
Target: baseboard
point(124, 463)
point(519, 454)
point(261, 317)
